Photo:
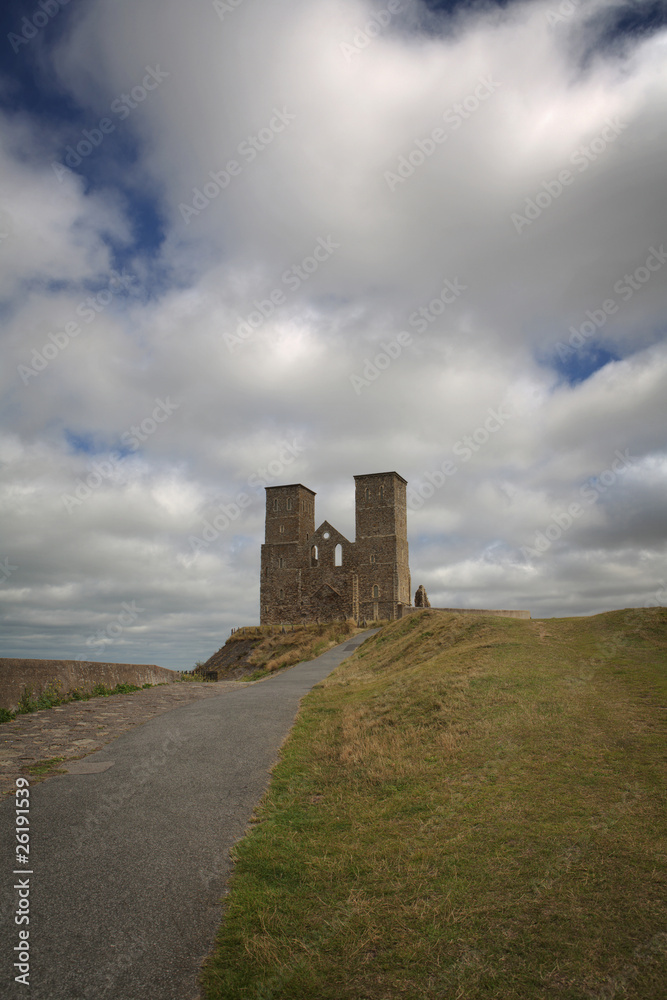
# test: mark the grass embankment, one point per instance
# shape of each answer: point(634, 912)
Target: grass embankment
point(264, 651)
point(469, 807)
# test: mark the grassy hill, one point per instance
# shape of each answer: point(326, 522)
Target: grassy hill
point(469, 807)
point(253, 653)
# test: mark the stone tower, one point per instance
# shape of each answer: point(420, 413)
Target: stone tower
point(290, 522)
point(310, 574)
point(382, 544)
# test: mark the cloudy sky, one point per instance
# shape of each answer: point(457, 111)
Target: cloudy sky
point(246, 243)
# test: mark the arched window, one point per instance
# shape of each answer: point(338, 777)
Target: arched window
point(338, 555)
point(376, 592)
point(314, 559)
point(275, 504)
point(381, 493)
point(367, 493)
point(281, 593)
point(289, 503)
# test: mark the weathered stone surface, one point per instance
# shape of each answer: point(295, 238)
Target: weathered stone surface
point(18, 674)
point(77, 729)
point(311, 575)
point(421, 597)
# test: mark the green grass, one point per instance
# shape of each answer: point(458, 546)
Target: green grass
point(52, 696)
point(469, 808)
point(28, 702)
point(257, 675)
point(43, 768)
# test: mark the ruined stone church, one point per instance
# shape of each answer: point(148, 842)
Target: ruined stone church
point(310, 575)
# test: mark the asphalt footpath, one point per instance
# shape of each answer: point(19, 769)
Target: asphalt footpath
point(129, 856)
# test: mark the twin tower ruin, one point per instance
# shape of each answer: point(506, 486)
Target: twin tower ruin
point(311, 575)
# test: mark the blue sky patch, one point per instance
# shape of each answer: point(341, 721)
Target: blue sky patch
point(575, 366)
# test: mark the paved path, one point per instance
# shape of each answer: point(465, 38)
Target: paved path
point(78, 728)
point(130, 862)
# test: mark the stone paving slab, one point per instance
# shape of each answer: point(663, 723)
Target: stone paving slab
point(79, 728)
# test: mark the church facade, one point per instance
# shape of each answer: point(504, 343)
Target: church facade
point(313, 574)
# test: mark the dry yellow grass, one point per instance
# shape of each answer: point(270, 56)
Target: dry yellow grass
point(253, 653)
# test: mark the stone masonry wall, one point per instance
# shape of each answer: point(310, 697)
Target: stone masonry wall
point(310, 574)
point(17, 674)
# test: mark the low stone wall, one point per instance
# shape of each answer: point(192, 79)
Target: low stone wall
point(471, 611)
point(17, 674)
